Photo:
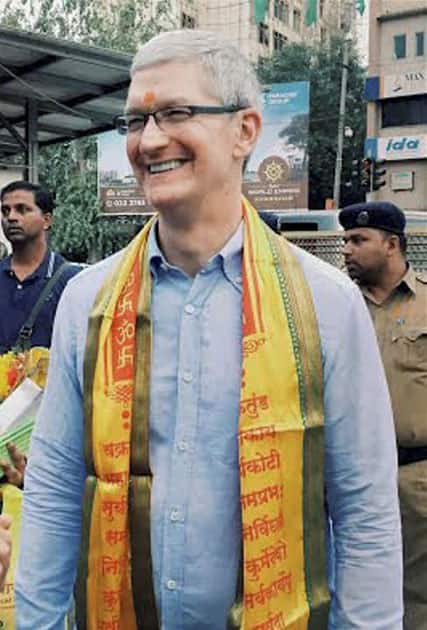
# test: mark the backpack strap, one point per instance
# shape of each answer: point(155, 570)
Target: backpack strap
point(23, 341)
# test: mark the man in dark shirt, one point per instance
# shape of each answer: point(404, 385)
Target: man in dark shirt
point(26, 216)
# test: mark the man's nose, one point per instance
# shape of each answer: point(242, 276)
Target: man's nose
point(152, 137)
point(346, 248)
point(12, 215)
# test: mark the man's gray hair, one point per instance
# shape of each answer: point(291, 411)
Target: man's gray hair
point(232, 77)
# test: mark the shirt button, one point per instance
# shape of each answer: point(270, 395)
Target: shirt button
point(187, 377)
point(19, 286)
point(189, 309)
point(182, 446)
point(239, 279)
point(171, 585)
point(174, 516)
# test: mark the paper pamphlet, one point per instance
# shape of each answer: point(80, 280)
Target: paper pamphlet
point(20, 407)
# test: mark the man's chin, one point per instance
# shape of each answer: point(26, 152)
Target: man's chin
point(353, 273)
point(16, 237)
point(165, 202)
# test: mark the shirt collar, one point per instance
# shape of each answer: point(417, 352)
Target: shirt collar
point(45, 269)
point(229, 258)
point(408, 281)
point(5, 264)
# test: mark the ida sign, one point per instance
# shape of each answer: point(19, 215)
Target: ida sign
point(402, 147)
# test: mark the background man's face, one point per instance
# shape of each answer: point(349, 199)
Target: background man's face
point(22, 220)
point(365, 254)
point(182, 166)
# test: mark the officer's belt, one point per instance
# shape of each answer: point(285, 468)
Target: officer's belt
point(411, 455)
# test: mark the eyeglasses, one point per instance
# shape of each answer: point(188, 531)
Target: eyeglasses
point(169, 118)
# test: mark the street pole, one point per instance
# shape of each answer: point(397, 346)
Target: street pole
point(32, 151)
point(341, 121)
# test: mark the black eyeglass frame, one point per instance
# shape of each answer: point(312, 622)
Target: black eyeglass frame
point(120, 121)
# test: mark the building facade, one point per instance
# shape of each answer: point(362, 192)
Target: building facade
point(284, 21)
point(397, 93)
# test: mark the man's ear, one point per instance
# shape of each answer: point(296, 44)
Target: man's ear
point(47, 216)
point(249, 130)
point(393, 244)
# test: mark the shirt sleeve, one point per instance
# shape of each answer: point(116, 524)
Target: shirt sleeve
point(50, 533)
point(361, 480)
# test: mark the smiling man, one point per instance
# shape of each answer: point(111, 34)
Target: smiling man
point(207, 385)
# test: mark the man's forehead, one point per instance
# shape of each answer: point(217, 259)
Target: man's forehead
point(151, 100)
point(360, 231)
point(18, 195)
point(175, 81)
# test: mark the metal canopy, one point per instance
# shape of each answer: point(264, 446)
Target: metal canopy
point(53, 91)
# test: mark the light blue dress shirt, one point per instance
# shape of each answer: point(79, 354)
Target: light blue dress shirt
point(194, 404)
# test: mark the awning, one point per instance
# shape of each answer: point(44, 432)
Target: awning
point(54, 91)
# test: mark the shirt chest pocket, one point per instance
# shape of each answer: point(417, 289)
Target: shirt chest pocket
point(411, 347)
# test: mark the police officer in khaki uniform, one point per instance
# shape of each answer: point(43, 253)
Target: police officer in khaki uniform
point(396, 295)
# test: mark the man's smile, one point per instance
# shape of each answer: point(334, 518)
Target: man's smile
point(167, 165)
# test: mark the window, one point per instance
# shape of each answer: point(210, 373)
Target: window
point(187, 21)
point(281, 11)
point(279, 40)
point(419, 44)
point(410, 110)
point(321, 7)
point(400, 46)
point(297, 20)
point(263, 35)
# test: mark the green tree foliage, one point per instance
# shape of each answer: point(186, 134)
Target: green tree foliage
point(120, 25)
point(69, 170)
point(322, 65)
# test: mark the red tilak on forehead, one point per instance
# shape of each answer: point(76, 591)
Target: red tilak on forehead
point(149, 98)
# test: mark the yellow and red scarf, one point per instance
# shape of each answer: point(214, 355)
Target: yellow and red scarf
point(280, 446)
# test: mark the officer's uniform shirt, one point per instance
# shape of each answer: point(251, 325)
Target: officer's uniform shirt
point(401, 325)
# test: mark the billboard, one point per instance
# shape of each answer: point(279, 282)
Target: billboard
point(276, 175)
point(117, 187)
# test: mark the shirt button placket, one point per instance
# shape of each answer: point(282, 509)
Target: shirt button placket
point(186, 419)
